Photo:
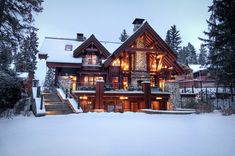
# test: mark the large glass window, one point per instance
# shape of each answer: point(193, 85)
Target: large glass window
point(153, 62)
point(91, 80)
point(125, 62)
point(116, 62)
point(125, 82)
point(115, 82)
point(91, 60)
point(152, 81)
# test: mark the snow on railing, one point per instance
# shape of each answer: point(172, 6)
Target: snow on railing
point(67, 95)
point(39, 108)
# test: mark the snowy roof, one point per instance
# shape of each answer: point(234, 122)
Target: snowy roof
point(55, 48)
point(23, 75)
point(197, 67)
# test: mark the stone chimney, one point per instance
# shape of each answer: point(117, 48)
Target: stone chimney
point(80, 37)
point(137, 23)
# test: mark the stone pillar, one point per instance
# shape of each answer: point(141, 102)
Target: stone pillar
point(99, 102)
point(147, 93)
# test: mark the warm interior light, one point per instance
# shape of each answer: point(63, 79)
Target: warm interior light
point(123, 97)
point(116, 62)
point(171, 68)
point(83, 97)
point(162, 84)
point(158, 98)
point(160, 58)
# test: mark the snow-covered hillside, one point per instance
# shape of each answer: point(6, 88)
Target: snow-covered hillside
point(116, 134)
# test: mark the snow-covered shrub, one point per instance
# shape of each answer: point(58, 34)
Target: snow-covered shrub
point(49, 79)
point(10, 89)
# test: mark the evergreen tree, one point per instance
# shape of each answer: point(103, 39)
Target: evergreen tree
point(123, 36)
point(192, 56)
point(10, 89)
point(5, 57)
point(25, 60)
point(183, 55)
point(202, 58)
point(15, 19)
point(49, 79)
point(187, 55)
point(15, 16)
point(221, 41)
point(173, 39)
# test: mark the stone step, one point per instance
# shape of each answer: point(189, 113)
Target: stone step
point(52, 97)
point(54, 105)
point(57, 106)
point(57, 112)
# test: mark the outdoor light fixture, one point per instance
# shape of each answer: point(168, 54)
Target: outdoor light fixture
point(158, 98)
point(123, 97)
point(83, 97)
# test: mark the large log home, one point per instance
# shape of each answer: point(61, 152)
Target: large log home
point(114, 76)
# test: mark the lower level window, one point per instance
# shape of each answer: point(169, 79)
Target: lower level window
point(91, 80)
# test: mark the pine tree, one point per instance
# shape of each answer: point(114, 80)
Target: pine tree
point(5, 57)
point(10, 89)
point(221, 41)
point(123, 36)
point(25, 60)
point(192, 56)
point(183, 56)
point(173, 39)
point(202, 58)
point(15, 16)
point(49, 79)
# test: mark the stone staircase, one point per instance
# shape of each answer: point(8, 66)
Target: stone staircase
point(54, 105)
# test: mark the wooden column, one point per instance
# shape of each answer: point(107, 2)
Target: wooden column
point(147, 93)
point(148, 61)
point(99, 102)
point(130, 61)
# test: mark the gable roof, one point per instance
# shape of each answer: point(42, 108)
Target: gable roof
point(85, 44)
point(169, 53)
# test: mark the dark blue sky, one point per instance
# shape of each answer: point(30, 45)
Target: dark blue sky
point(107, 18)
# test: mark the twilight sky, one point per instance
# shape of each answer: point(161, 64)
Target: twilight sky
point(107, 18)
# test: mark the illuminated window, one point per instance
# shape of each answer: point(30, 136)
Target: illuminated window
point(162, 84)
point(116, 62)
point(115, 82)
point(125, 82)
point(125, 62)
point(91, 60)
point(153, 62)
point(152, 81)
point(91, 80)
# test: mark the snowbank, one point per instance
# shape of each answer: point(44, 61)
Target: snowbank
point(119, 134)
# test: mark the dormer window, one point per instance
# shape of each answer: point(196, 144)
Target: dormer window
point(68, 47)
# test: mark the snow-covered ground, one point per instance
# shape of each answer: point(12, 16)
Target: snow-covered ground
point(118, 134)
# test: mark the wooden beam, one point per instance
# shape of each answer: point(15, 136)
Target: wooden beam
point(92, 49)
point(145, 40)
point(141, 49)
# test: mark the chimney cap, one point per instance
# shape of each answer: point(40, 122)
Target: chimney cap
point(80, 37)
point(138, 21)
